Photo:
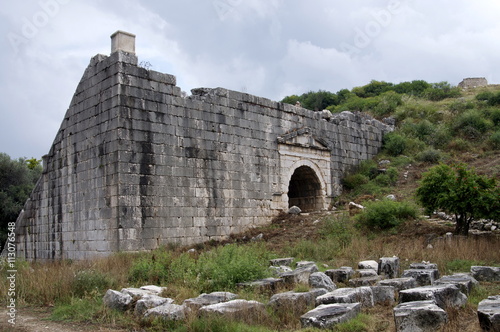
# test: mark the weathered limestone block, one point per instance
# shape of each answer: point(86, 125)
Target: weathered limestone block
point(294, 210)
point(463, 281)
point(326, 316)
point(299, 275)
point(488, 312)
point(389, 266)
point(167, 311)
point(150, 301)
point(368, 265)
point(424, 266)
point(321, 280)
point(154, 289)
point(485, 273)
point(399, 283)
point(136, 293)
point(424, 316)
point(422, 277)
point(366, 273)
point(298, 302)
point(208, 299)
point(383, 295)
point(238, 309)
point(363, 295)
point(343, 274)
point(268, 284)
point(304, 264)
point(444, 295)
point(281, 261)
point(278, 270)
point(364, 281)
point(117, 300)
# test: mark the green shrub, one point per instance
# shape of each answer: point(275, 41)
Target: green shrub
point(386, 214)
point(494, 140)
point(354, 180)
point(431, 156)
point(394, 144)
point(460, 145)
point(388, 102)
point(338, 229)
point(151, 269)
point(485, 96)
point(472, 124)
point(494, 115)
point(368, 168)
point(89, 281)
point(440, 91)
point(223, 267)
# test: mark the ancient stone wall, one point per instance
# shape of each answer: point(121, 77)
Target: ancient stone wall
point(475, 82)
point(136, 166)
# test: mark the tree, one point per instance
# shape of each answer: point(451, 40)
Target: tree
point(17, 179)
point(460, 191)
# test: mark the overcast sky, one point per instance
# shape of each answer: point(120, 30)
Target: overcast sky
point(270, 48)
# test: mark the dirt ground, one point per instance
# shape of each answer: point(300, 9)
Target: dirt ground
point(36, 320)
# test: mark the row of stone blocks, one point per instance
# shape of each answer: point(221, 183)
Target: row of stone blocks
point(421, 308)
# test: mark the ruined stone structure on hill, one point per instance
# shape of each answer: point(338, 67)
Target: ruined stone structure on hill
point(475, 82)
point(135, 165)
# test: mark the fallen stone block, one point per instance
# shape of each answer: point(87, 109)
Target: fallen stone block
point(366, 273)
point(149, 302)
point(424, 316)
point(157, 290)
point(208, 299)
point(383, 295)
point(167, 311)
point(281, 261)
point(399, 283)
point(235, 309)
point(423, 277)
point(136, 293)
point(424, 266)
point(304, 264)
point(368, 265)
point(277, 270)
point(463, 281)
point(363, 295)
point(268, 284)
point(343, 274)
point(299, 275)
point(117, 300)
point(389, 267)
point(445, 296)
point(365, 281)
point(488, 313)
point(298, 302)
point(485, 273)
point(321, 280)
point(328, 315)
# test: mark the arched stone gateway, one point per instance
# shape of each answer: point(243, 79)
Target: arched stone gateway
point(305, 191)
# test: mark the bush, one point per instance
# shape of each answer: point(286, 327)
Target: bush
point(152, 268)
point(460, 145)
point(386, 214)
point(222, 268)
point(431, 156)
point(494, 140)
point(388, 102)
point(472, 124)
point(339, 230)
point(394, 144)
point(440, 91)
point(89, 281)
point(354, 180)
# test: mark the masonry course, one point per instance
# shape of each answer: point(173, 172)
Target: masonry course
point(135, 165)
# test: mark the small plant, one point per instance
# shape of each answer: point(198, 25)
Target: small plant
point(494, 140)
point(431, 156)
point(354, 180)
point(472, 124)
point(386, 214)
point(87, 282)
point(152, 268)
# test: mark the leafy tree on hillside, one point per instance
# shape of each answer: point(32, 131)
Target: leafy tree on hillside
point(460, 191)
point(17, 179)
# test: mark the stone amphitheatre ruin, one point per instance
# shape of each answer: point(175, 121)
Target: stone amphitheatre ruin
point(135, 165)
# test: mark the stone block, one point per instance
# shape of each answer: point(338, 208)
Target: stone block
point(368, 265)
point(424, 316)
point(117, 300)
point(342, 274)
point(268, 284)
point(485, 273)
point(422, 277)
point(327, 316)
point(208, 299)
point(167, 311)
point(296, 301)
point(281, 261)
point(235, 309)
point(389, 267)
point(444, 296)
point(463, 281)
point(150, 301)
point(488, 313)
point(363, 295)
point(366, 273)
point(299, 275)
point(364, 281)
point(399, 283)
point(384, 295)
point(321, 280)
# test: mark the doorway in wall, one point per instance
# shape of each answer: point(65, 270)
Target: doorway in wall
point(304, 190)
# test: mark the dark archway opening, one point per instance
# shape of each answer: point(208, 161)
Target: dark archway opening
point(304, 190)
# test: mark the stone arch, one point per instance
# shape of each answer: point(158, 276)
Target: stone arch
point(306, 187)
